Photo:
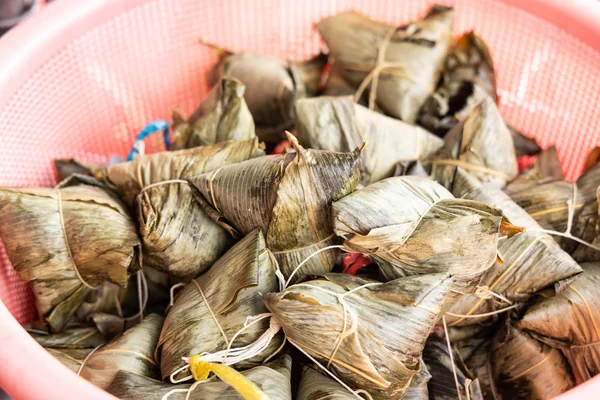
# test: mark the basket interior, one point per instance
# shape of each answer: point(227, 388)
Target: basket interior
point(90, 99)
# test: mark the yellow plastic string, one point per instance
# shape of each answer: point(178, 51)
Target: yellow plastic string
point(66, 237)
point(244, 386)
point(231, 356)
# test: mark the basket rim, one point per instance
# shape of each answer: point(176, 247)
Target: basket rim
point(23, 53)
point(33, 373)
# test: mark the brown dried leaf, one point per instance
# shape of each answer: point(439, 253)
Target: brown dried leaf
point(392, 322)
point(481, 144)
point(569, 322)
point(222, 116)
point(98, 243)
point(133, 351)
point(178, 237)
point(524, 368)
point(232, 288)
point(288, 196)
point(339, 124)
point(417, 51)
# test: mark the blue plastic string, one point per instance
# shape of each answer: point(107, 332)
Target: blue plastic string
point(152, 127)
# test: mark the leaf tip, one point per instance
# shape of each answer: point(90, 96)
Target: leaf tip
point(294, 141)
point(509, 230)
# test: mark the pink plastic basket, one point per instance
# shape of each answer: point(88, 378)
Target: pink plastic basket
point(82, 77)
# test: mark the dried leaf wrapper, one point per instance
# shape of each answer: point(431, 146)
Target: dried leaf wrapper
point(524, 368)
point(273, 378)
point(67, 241)
point(413, 225)
point(222, 298)
point(272, 88)
point(178, 237)
point(133, 351)
point(223, 116)
point(288, 196)
point(481, 145)
point(339, 124)
point(467, 78)
point(402, 64)
point(569, 322)
point(386, 326)
point(532, 261)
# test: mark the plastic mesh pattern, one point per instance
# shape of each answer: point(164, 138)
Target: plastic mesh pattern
point(93, 96)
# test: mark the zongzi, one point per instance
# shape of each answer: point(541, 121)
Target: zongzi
point(444, 384)
point(524, 368)
point(415, 226)
point(532, 262)
point(400, 64)
point(569, 322)
point(210, 310)
point(288, 196)
point(339, 124)
point(72, 338)
point(132, 351)
point(272, 378)
point(370, 334)
point(70, 358)
point(222, 116)
point(177, 236)
point(477, 360)
point(272, 87)
point(67, 167)
point(67, 241)
point(546, 168)
point(315, 386)
point(467, 78)
point(480, 144)
point(562, 206)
